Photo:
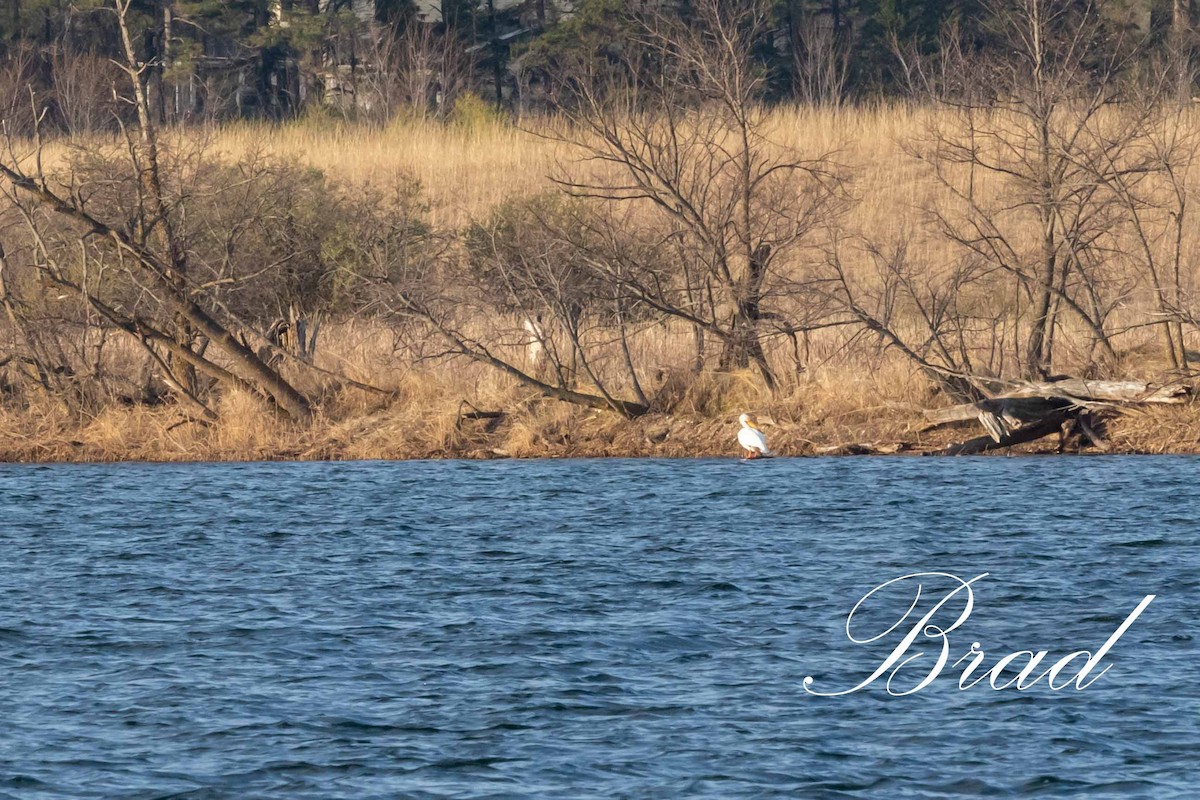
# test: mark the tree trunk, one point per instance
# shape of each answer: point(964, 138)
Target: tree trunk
point(248, 363)
point(743, 345)
point(154, 210)
point(1038, 351)
point(628, 356)
point(497, 67)
point(1027, 433)
point(1180, 48)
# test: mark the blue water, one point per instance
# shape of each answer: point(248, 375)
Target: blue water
point(588, 629)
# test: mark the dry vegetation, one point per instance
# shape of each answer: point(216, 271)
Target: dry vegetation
point(622, 278)
point(843, 395)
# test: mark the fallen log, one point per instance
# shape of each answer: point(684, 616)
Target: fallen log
point(863, 449)
point(1024, 400)
point(999, 416)
point(1027, 411)
point(1026, 433)
point(492, 419)
point(1105, 391)
point(1088, 429)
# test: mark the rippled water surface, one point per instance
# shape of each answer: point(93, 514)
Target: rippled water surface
point(586, 629)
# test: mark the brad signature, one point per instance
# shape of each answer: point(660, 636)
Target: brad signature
point(908, 667)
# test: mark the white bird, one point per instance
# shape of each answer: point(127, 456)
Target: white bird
point(751, 437)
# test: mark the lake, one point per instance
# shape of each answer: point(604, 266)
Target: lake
point(572, 629)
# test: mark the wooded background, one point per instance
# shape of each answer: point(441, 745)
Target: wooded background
point(275, 59)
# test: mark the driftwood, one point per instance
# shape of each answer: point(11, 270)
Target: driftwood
point(863, 449)
point(1051, 424)
point(1026, 411)
point(492, 418)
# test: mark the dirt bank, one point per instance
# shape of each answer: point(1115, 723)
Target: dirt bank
point(531, 429)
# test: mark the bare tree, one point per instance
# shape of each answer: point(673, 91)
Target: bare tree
point(30, 348)
point(18, 73)
point(84, 86)
point(1025, 148)
point(144, 247)
point(463, 325)
point(821, 62)
point(415, 69)
point(530, 260)
point(1151, 188)
point(677, 129)
point(950, 323)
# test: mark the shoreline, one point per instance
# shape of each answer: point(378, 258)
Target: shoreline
point(539, 431)
point(1028, 455)
point(470, 206)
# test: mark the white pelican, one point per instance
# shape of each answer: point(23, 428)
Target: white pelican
point(751, 437)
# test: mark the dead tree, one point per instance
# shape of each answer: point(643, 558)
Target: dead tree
point(528, 265)
point(147, 250)
point(1019, 412)
point(1155, 199)
point(34, 353)
point(676, 127)
point(925, 314)
point(1036, 119)
point(442, 319)
point(413, 69)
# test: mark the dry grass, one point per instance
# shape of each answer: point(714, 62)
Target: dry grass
point(840, 398)
point(466, 171)
point(825, 409)
point(463, 171)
